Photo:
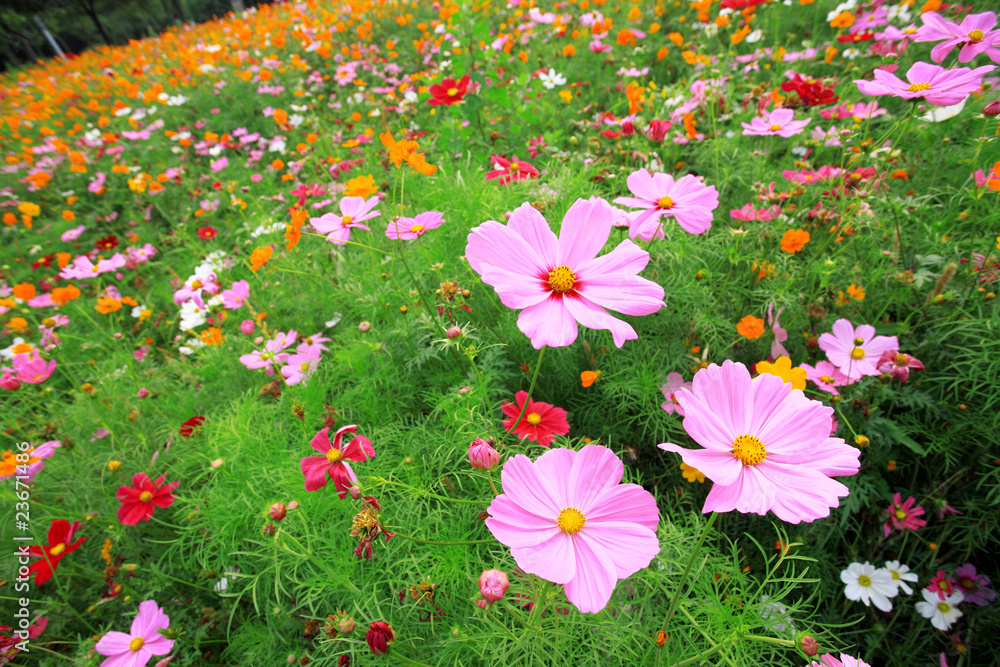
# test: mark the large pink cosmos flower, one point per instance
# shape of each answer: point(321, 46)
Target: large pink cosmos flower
point(856, 351)
point(687, 200)
point(936, 85)
point(975, 33)
point(766, 446)
point(569, 520)
point(334, 459)
point(409, 229)
point(31, 368)
point(779, 122)
point(142, 642)
point(353, 211)
point(560, 281)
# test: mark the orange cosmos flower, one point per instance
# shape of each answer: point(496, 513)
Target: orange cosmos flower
point(588, 378)
point(406, 151)
point(259, 257)
point(634, 95)
point(107, 304)
point(362, 186)
point(293, 230)
point(794, 239)
point(280, 116)
point(750, 327)
point(63, 295)
point(24, 291)
point(843, 20)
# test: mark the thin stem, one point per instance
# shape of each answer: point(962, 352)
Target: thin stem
point(428, 494)
point(531, 388)
point(443, 544)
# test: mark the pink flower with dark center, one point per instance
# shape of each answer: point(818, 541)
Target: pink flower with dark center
point(560, 282)
point(975, 34)
point(409, 229)
point(825, 376)
point(674, 383)
point(569, 520)
point(689, 201)
point(973, 585)
point(142, 642)
point(779, 122)
point(334, 459)
point(903, 515)
point(934, 84)
point(354, 211)
point(855, 351)
point(898, 364)
point(510, 170)
point(766, 446)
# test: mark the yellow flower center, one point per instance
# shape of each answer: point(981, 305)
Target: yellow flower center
point(196, 284)
point(919, 87)
point(534, 419)
point(334, 455)
point(416, 229)
point(900, 360)
point(910, 31)
point(346, 220)
point(900, 514)
point(944, 607)
point(305, 366)
point(895, 575)
point(454, 91)
point(775, 128)
point(864, 580)
point(571, 520)
point(145, 496)
point(976, 36)
point(94, 269)
point(826, 378)
point(858, 353)
point(57, 549)
point(665, 202)
point(749, 450)
point(561, 279)
point(136, 644)
point(513, 166)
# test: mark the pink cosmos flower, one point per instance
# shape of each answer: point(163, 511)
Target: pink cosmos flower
point(856, 352)
point(980, 178)
point(862, 110)
point(334, 459)
point(83, 268)
point(687, 200)
point(975, 33)
point(903, 515)
point(766, 446)
point(31, 368)
point(779, 122)
point(219, 165)
point(234, 297)
point(409, 229)
point(535, 145)
point(299, 367)
point(560, 281)
point(750, 214)
point(674, 383)
point(203, 280)
point(898, 364)
point(46, 451)
point(313, 345)
point(973, 585)
point(271, 354)
point(657, 130)
point(142, 642)
point(73, 234)
point(510, 170)
point(780, 334)
point(97, 185)
point(936, 85)
point(941, 584)
point(827, 660)
point(825, 376)
point(569, 520)
point(353, 211)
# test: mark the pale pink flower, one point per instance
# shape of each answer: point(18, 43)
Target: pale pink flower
point(779, 122)
point(234, 297)
point(975, 33)
point(856, 351)
point(409, 229)
point(674, 383)
point(687, 200)
point(83, 268)
point(97, 184)
point(560, 282)
point(73, 234)
point(142, 642)
point(271, 354)
point(219, 165)
point(825, 376)
point(750, 214)
point(203, 280)
point(780, 334)
point(299, 367)
point(766, 446)
point(353, 211)
point(935, 85)
point(569, 520)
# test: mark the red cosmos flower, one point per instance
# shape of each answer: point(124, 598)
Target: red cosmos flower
point(303, 192)
point(448, 91)
point(140, 500)
point(334, 459)
point(811, 91)
point(107, 243)
point(741, 4)
point(379, 636)
point(541, 422)
point(207, 232)
point(857, 37)
point(60, 543)
point(510, 170)
point(8, 644)
point(190, 426)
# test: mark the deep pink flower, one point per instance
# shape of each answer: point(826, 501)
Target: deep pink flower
point(779, 122)
point(898, 364)
point(558, 281)
point(142, 642)
point(674, 383)
point(409, 229)
point(975, 33)
point(973, 585)
point(535, 145)
point(353, 212)
point(334, 459)
point(825, 376)
point(510, 170)
point(139, 501)
point(903, 515)
point(855, 351)
point(766, 446)
point(658, 130)
point(541, 422)
point(687, 200)
point(482, 455)
point(31, 368)
point(567, 519)
point(941, 584)
point(936, 85)
point(493, 584)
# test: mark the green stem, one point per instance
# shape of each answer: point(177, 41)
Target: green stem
point(428, 494)
point(444, 544)
point(531, 388)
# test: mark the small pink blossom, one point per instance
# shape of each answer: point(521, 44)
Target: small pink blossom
point(408, 229)
point(855, 351)
point(779, 122)
point(898, 364)
point(674, 383)
point(903, 515)
point(73, 234)
point(236, 295)
point(687, 200)
point(353, 212)
point(219, 165)
point(142, 642)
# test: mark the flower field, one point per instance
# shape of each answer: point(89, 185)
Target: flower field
point(504, 332)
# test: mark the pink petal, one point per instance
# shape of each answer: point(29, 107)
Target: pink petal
point(553, 560)
point(526, 487)
point(515, 527)
point(585, 230)
point(595, 580)
point(628, 545)
point(314, 468)
point(531, 226)
point(548, 323)
point(719, 466)
point(595, 471)
point(358, 449)
point(592, 316)
point(556, 465)
point(113, 643)
point(625, 503)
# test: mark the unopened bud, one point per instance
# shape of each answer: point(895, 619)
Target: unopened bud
point(293, 505)
point(355, 493)
point(347, 625)
point(268, 529)
point(364, 326)
point(861, 441)
point(809, 645)
point(277, 511)
point(453, 332)
point(992, 109)
point(464, 390)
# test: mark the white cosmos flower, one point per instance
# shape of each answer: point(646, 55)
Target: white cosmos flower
point(942, 613)
point(551, 79)
point(900, 575)
point(866, 583)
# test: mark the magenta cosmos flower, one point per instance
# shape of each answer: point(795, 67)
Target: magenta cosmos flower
point(827, 660)
point(541, 422)
point(936, 85)
point(856, 351)
point(560, 282)
point(334, 459)
point(567, 518)
point(898, 364)
point(409, 229)
point(766, 446)
point(689, 201)
point(903, 515)
point(975, 34)
point(142, 642)
point(779, 122)
point(353, 211)
point(510, 170)
point(974, 586)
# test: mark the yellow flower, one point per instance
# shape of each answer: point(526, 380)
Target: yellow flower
point(782, 367)
point(567, 97)
point(692, 474)
point(114, 465)
point(28, 208)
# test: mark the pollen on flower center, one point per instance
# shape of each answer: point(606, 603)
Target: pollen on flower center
point(513, 166)
point(864, 580)
point(452, 92)
point(858, 353)
point(534, 419)
point(346, 220)
point(57, 549)
point(944, 607)
point(900, 360)
point(749, 450)
point(416, 229)
point(665, 202)
point(145, 496)
point(304, 365)
point(571, 520)
point(976, 36)
point(196, 284)
point(900, 514)
point(826, 378)
point(561, 279)
point(775, 128)
point(919, 87)
point(136, 644)
point(334, 455)
point(895, 575)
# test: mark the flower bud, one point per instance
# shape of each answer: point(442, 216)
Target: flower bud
point(861, 441)
point(493, 584)
point(258, 340)
point(355, 493)
point(143, 393)
point(809, 645)
point(992, 109)
point(379, 637)
point(293, 505)
point(216, 464)
point(277, 511)
point(346, 625)
point(10, 382)
point(453, 332)
point(268, 529)
point(482, 455)
point(364, 326)
point(463, 390)
point(247, 327)
point(114, 465)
